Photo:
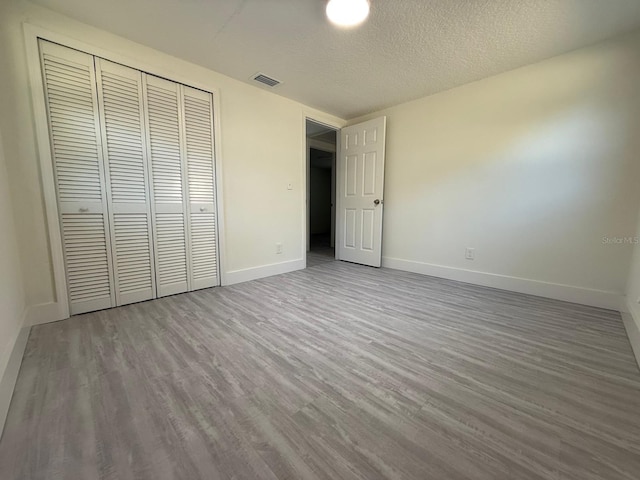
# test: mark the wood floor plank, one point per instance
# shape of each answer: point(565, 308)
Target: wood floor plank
point(335, 372)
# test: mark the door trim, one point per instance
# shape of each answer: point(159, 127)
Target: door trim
point(31, 35)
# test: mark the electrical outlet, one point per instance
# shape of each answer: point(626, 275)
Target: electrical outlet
point(278, 248)
point(470, 253)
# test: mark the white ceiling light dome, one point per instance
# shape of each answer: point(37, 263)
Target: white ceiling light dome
point(347, 13)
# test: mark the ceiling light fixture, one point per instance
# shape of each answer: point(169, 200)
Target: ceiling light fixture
point(347, 13)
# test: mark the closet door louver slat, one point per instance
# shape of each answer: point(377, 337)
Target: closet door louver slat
point(199, 153)
point(70, 94)
point(168, 185)
point(123, 133)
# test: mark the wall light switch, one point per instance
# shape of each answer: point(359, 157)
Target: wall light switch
point(289, 186)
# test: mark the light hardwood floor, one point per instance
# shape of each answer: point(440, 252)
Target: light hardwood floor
point(335, 372)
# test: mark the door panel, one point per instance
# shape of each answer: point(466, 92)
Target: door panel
point(132, 260)
point(123, 134)
point(87, 261)
point(203, 251)
point(361, 192)
point(199, 153)
point(171, 253)
point(168, 179)
point(72, 107)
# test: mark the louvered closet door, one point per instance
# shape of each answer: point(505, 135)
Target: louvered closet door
point(198, 149)
point(168, 178)
point(72, 107)
point(124, 145)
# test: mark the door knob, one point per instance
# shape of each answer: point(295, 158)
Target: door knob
point(83, 209)
point(203, 209)
point(376, 202)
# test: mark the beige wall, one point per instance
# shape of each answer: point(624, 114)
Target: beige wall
point(12, 300)
point(532, 168)
point(258, 209)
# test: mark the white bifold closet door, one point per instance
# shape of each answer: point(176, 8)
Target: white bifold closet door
point(134, 168)
point(168, 174)
point(198, 151)
point(180, 137)
point(74, 128)
point(125, 154)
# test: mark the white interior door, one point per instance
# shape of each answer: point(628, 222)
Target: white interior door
point(361, 192)
point(125, 153)
point(72, 108)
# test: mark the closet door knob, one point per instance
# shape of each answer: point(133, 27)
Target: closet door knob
point(84, 209)
point(203, 209)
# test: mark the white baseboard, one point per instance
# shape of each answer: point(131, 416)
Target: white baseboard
point(239, 276)
point(632, 324)
point(44, 313)
point(10, 375)
point(556, 291)
point(54, 311)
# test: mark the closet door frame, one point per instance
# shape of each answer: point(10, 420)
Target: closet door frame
point(58, 309)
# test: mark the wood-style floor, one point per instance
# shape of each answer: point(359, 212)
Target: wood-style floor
point(335, 372)
point(319, 255)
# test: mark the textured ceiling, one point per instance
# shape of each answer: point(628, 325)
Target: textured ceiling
point(406, 50)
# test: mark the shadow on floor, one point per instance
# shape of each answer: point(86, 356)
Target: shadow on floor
point(321, 251)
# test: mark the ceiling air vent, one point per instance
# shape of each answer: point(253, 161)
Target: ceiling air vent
point(262, 78)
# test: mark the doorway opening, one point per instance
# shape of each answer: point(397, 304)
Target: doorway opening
point(321, 193)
